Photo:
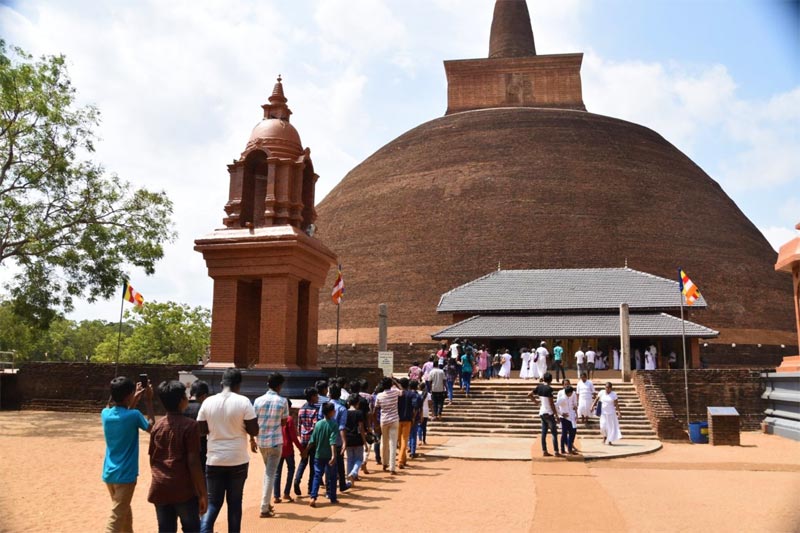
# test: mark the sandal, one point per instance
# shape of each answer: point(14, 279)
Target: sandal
point(267, 514)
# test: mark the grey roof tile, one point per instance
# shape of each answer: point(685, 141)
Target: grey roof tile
point(579, 289)
point(570, 326)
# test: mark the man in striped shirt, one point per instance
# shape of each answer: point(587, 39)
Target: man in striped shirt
point(386, 412)
point(306, 419)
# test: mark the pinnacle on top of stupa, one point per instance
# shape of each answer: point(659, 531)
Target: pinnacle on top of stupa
point(512, 34)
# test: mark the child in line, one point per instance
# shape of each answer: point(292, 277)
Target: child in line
point(323, 441)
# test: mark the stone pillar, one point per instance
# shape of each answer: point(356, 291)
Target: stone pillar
point(278, 322)
point(625, 342)
point(383, 315)
point(223, 322)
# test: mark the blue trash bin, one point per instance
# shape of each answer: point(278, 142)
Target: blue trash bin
point(698, 432)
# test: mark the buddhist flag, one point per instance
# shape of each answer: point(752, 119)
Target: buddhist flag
point(338, 287)
point(129, 294)
point(689, 289)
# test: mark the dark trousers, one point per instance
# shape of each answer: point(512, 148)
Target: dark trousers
point(549, 424)
point(224, 483)
point(377, 449)
point(340, 469)
point(323, 467)
point(559, 367)
point(568, 432)
point(289, 475)
point(438, 403)
point(301, 468)
point(167, 516)
point(466, 380)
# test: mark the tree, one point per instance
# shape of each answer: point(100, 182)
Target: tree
point(161, 333)
point(68, 226)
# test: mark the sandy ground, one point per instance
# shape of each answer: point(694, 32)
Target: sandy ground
point(50, 467)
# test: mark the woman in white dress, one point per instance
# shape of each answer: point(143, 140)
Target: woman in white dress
point(541, 360)
point(524, 369)
point(649, 360)
point(505, 370)
point(609, 415)
point(616, 359)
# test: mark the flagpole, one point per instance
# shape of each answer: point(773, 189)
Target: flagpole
point(337, 339)
point(685, 368)
point(119, 333)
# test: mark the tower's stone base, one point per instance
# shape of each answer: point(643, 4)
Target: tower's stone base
point(254, 382)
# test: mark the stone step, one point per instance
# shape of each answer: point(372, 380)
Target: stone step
point(525, 433)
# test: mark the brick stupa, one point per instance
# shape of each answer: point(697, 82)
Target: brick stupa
point(518, 173)
point(266, 265)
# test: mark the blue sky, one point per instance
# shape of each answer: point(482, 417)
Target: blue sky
point(180, 84)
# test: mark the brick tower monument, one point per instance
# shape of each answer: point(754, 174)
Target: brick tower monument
point(266, 264)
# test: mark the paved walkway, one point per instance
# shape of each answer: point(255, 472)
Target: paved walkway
point(519, 449)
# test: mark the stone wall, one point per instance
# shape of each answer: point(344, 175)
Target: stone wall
point(81, 386)
point(366, 355)
point(662, 393)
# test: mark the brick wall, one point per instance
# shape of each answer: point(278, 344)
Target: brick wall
point(81, 386)
point(745, 355)
point(366, 355)
point(658, 409)
point(662, 393)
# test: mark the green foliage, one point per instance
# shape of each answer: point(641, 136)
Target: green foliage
point(68, 226)
point(161, 333)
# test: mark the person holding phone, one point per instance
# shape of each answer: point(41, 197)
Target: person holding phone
point(121, 424)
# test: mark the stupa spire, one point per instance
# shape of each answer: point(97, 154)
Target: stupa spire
point(277, 108)
point(512, 35)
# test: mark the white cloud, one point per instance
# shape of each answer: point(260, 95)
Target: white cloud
point(180, 84)
point(779, 235)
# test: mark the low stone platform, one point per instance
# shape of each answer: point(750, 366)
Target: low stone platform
point(526, 449)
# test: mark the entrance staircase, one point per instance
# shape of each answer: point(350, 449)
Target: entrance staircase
point(500, 408)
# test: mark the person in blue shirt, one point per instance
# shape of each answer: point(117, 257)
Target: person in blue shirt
point(121, 424)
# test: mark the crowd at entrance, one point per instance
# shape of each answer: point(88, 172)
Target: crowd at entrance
point(200, 451)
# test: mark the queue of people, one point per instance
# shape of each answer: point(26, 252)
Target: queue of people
point(200, 451)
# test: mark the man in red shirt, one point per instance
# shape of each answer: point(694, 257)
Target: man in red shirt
point(178, 489)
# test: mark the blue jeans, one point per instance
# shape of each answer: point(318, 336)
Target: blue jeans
point(189, 512)
point(224, 483)
point(355, 458)
point(449, 384)
point(466, 379)
point(289, 461)
point(322, 466)
point(301, 468)
point(412, 438)
point(568, 432)
point(549, 423)
point(422, 432)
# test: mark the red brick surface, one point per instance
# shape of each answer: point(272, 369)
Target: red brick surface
point(442, 204)
point(662, 393)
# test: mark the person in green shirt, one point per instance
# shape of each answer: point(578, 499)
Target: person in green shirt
point(558, 358)
point(323, 440)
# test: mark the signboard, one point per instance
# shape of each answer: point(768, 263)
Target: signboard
point(386, 362)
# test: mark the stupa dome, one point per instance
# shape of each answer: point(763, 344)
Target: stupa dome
point(518, 175)
point(273, 128)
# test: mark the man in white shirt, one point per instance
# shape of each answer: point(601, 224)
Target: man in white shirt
point(227, 418)
point(569, 425)
point(591, 355)
point(454, 349)
point(580, 359)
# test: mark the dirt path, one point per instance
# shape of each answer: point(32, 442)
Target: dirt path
point(50, 465)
